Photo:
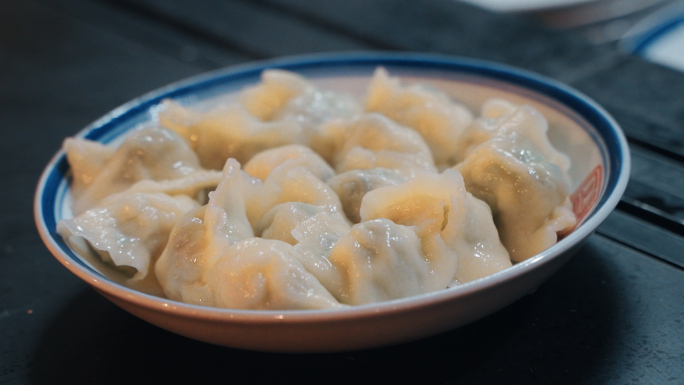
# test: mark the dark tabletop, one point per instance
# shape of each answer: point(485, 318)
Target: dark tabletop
point(613, 315)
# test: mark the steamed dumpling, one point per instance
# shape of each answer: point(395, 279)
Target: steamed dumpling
point(214, 259)
point(285, 184)
point(369, 262)
point(98, 170)
point(196, 186)
point(477, 244)
point(227, 132)
point(280, 221)
point(129, 230)
point(201, 237)
point(295, 155)
point(493, 113)
point(524, 180)
point(380, 260)
point(286, 95)
point(316, 236)
point(456, 229)
point(425, 203)
point(437, 118)
point(351, 186)
point(86, 159)
point(502, 118)
point(188, 256)
point(240, 201)
point(374, 141)
point(265, 274)
point(337, 202)
point(276, 89)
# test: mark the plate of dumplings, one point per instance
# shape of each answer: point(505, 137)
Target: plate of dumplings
point(332, 202)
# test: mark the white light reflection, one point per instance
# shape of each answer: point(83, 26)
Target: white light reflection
point(534, 260)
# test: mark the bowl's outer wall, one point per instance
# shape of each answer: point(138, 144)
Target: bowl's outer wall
point(333, 335)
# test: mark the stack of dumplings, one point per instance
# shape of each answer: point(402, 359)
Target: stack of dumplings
point(295, 197)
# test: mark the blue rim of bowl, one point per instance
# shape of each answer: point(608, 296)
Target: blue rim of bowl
point(607, 134)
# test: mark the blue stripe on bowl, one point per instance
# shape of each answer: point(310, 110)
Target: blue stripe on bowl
point(52, 198)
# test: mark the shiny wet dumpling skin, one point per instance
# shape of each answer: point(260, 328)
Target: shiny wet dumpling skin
point(375, 141)
point(283, 109)
point(351, 186)
point(280, 221)
point(263, 163)
point(227, 132)
point(519, 174)
point(129, 230)
point(210, 244)
point(200, 238)
point(431, 113)
point(285, 184)
point(456, 229)
point(400, 253)
point(285, 95)
point(379, 260)
point(128, 199)
point(265, 274)
point(298, 198)
point(98, 170)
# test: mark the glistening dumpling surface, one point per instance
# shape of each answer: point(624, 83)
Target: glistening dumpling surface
point(524, 180)
point(149, 154)
point(431, 113)
point(297, 197)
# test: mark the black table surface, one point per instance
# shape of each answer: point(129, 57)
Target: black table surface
point(612, 315)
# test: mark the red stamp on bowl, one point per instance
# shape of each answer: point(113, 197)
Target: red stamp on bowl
point(586, 195)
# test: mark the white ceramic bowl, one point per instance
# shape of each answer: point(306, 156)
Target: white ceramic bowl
point(579, 127)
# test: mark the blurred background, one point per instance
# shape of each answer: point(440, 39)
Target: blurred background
point(611, 316)
point(652, 29)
